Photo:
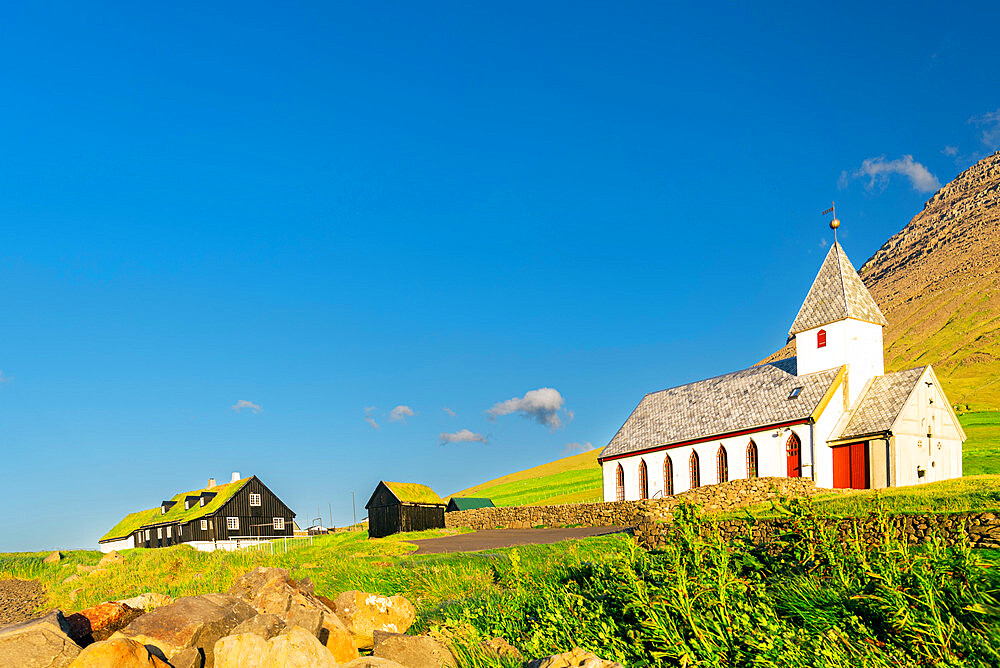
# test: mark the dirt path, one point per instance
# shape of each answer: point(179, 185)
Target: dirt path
point(19, 599)
point(494, 538)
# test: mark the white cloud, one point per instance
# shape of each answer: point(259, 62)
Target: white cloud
point(242, 404)
point(990, 124)
point(462, 436)
point(449, 411)
point(950, 151)
point(542, 405)
point(878, 170)
point(576, 448)
point(369, 418)
point(400, 413)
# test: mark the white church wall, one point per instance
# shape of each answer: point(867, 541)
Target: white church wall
point(771, 461)
point(822, 469)
point(853, 342)
point(926, 438)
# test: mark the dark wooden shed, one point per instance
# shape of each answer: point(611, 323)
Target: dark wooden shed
point(403, 506)
point(467, 503)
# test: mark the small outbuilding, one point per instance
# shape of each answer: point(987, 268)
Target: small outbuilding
point(403, 506)
point(459, 503)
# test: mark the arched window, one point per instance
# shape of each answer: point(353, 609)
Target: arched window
point(722, 464)
point(620, 483)
point(643, 480)
point(668, 476)
point(695, 472)
point(752, 459)
point(821, 338)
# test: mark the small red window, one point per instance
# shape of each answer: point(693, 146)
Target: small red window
point(821, 338)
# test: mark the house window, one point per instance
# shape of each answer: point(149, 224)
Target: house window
point(279, 523)
point(159, 533)
point(794, 394)
point(722, 464)
point(147, 534)
point(620, 483)
point(233, 523)
point(255, 499)
point(752, 460)
point(168, 532)
point(201, 501)
point(643, 480)
point(821, 338)
point(694, 470)
point(187, 504)
point(204, 525)
point(668, 476)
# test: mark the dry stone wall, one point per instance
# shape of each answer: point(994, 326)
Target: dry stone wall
point(711, 498)
point(980, 530)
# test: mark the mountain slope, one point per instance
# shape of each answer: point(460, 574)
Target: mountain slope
point(938, 283)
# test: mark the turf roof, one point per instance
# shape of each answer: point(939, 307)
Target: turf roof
point(412, 492)
point(176, 514)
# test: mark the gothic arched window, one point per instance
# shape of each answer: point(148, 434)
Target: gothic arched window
point(722, 464)
point(694, 470)
point(620, 483)
point(643, 480)
point(752, 459)
point(668, 476)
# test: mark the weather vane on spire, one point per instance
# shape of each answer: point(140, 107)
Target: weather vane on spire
point(835, 223)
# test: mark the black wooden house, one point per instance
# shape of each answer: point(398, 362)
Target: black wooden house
point(403, 506)
point(243, 508)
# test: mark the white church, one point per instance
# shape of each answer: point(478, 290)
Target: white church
point(831, 414)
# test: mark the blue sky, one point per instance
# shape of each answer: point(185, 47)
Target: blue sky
point(329, 212)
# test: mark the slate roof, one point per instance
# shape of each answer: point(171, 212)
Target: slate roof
point(836, 293)
point(747, 399)
point(880, 406)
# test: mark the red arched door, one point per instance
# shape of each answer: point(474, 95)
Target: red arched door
point(793, 452)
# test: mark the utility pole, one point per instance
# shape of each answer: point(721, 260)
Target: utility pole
point(330, 506)
point(354, 508)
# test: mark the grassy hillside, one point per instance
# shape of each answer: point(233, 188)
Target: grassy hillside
point(575, 479)
point(981, 453)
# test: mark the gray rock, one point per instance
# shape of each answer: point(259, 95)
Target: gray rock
point(412, 651)
point(196, 621)
point(42, 642)
point(266, 626)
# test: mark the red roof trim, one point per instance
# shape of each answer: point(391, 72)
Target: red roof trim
point(704, 439)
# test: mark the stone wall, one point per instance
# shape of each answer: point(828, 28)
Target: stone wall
point(981, 530)
point(711, 498)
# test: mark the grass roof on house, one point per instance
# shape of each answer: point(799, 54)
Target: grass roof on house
point(412, 492)
point(470, 503)
point(176, 514)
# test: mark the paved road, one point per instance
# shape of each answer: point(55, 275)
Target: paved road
point(494, 538)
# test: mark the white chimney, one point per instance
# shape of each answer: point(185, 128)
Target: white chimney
point(211, 483)
point(236, 476)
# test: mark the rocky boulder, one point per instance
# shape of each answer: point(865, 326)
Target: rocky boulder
point(364, 613)
point(196, 621)
point(117, 653)
point(271, 591)
point(148, 601)
point(42, 642)
point(100, 622)
point(295, 648)
point(373, 662)
point(335, 636)
point(110, 559)
point(413, 651)
point(192, 657)
point(265, 626)
point(575, 658)
point(53, 558)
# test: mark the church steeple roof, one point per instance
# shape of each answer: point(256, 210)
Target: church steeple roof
point(836, 294)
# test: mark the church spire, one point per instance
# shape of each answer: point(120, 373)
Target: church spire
point(837, 294)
